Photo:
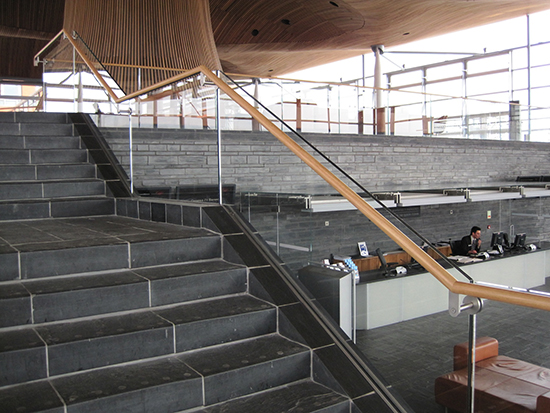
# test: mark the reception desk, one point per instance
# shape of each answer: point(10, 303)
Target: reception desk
point(387, 300)
point(372, 262)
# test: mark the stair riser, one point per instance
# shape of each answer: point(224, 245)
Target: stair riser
point(73, 261)
point(181, 289)
point(9, 262)
point(18, 173)
point(248, 380)
point(56, 156)
point(82, 303)
point(39, 307)
point(89, 353)
point(40, 142)
point(33, 117)
point(65, 171)
point(145, 254)
point(36, 129)
point(105, 351)
point(25, 190)
point(21, 366)
point(54, 209)
point(223, 330)
point(49, 172)
point(38, 264)
point(171, 397)
point(15, 311)
point(44, 156)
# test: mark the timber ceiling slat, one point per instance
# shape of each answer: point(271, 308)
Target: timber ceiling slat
point(173, 34)
point(260, 37)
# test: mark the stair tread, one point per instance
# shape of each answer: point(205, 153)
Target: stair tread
point(115, 380)
point(210, 309)
point(23, 339)
point(46, 173)
point(220, 359)
point(107, 325)
point(82, 282)
point(51, 181)
point(96, 384)
point(305, 397)
point(179, 270)
point(53, 200)
point(54, 234)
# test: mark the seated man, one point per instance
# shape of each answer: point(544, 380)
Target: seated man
point(471, 244)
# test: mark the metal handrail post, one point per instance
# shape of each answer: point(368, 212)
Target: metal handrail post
point(131, 144)
point(219, 143)
point(471, 361)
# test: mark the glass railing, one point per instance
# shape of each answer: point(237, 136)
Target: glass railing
point(311, 107)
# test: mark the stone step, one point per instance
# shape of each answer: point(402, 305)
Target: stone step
point(68, 347)
point(33, 117)
point(67, 297)
point(43, 156)
point(51, 189)
point(10, 173)
point(55, 208)
point(305, 396)
point(169, 384)
point(40, 142)
point(36, 129)
point(44, 248)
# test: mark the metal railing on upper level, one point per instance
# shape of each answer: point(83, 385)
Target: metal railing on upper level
point(304, 105)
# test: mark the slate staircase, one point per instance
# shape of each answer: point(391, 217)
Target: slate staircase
point(108, 313)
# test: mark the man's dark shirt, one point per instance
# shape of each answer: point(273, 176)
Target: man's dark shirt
point(466, 245)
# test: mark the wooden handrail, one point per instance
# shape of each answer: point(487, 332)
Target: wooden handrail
point(37, 56)
point(116, 99)
point(91, 66)
point(432, 266)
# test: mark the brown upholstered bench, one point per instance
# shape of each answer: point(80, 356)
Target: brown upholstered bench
point(502, 384)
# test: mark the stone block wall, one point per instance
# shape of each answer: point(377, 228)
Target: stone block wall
point(256, 161)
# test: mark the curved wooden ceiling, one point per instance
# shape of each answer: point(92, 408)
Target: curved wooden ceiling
point(267, 37)
point(297, 34)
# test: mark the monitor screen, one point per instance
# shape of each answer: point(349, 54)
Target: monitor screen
point(519, 241)
point(383, 263)
point(497, 239)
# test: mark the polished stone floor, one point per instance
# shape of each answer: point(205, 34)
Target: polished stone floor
point(411, 354)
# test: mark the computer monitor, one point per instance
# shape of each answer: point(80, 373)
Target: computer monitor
point(519, 241)
point(497, 239)
point(383, 263)
point(506, 242)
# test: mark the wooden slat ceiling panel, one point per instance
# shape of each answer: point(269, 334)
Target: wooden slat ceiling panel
point(387, 22)
point(262, 37)
point(171, 34)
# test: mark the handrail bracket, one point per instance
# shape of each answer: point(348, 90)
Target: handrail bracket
point(470, 305)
